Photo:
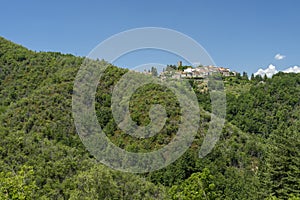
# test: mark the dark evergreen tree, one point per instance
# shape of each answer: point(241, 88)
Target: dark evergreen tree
point(154, 71)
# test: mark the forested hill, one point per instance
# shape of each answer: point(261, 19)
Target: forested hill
point(42, 157)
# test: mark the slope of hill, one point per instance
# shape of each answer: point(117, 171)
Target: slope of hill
point(42, 157)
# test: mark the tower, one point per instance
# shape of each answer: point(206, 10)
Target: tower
point(179, 64)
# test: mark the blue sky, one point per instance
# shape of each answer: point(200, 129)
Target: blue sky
point(243, 35)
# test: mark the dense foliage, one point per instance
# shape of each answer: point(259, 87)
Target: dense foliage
point(42, 157)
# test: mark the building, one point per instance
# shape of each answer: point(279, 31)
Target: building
point(198, 72)
point(179, 64)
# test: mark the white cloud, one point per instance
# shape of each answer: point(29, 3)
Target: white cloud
point(270, 71)
point(294, 69)
point(279, 56)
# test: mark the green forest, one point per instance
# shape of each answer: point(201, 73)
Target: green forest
point(42, 156)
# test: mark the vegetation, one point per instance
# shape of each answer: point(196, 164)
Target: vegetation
point(42, 157)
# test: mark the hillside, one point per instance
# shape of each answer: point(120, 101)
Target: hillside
point(42, 157)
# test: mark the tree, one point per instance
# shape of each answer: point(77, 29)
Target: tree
point(103, 183)
point(20, 185)
point(154, 71)
point(245, 76)
point(258, 78)
point(182, 68)
point(283, 163)
point(198, 186)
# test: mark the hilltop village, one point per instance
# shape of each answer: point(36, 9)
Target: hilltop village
point(199, 72)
